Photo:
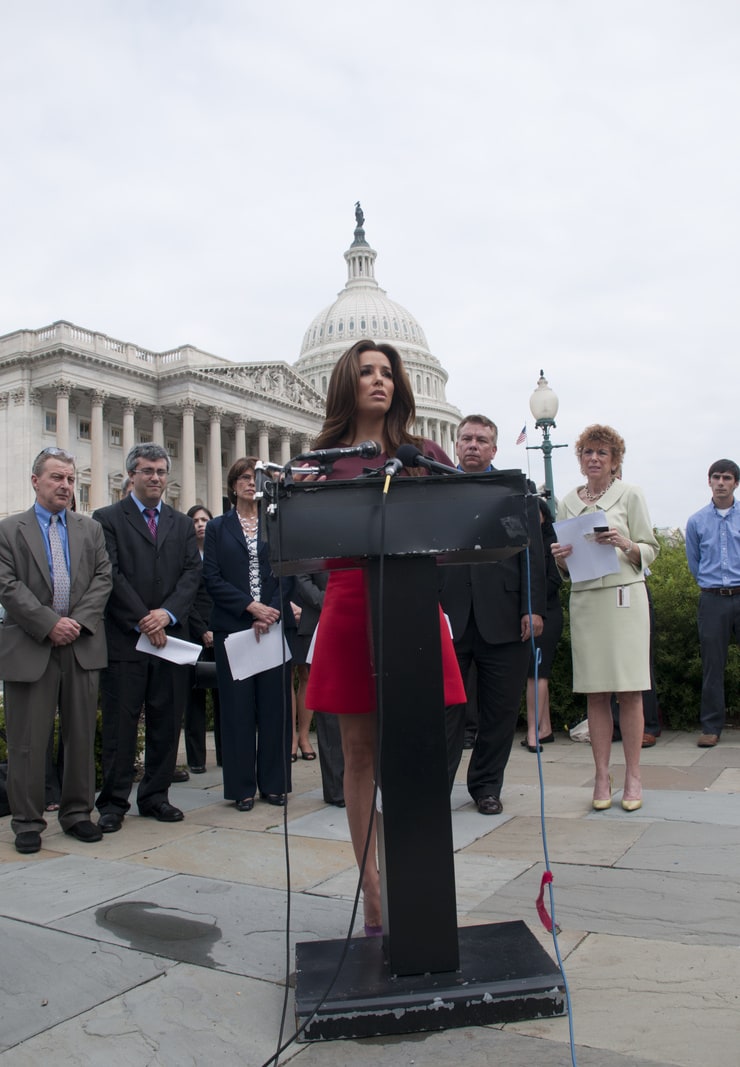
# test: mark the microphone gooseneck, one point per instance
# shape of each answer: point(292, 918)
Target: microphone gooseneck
point(366, 449)
point(411, 456)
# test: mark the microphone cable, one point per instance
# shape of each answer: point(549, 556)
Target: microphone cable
point(548, 921)
point(282, 1046)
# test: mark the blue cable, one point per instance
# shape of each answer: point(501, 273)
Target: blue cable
point(537, 653)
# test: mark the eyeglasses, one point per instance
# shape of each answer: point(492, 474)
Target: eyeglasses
point(151, 472)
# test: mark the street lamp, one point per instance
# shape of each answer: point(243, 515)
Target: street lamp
point(543, 404)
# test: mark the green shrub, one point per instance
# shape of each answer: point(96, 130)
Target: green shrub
point(676, 652)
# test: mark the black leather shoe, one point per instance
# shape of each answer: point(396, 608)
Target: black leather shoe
point(84, 830)
point(180, 775)
point(198, 770)
point(245, 805)
point(27, 842)
point(110, 822)
point(278, 799)
point(165, 812)
point(489, 805)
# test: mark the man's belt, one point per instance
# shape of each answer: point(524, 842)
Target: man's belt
point(724, 590)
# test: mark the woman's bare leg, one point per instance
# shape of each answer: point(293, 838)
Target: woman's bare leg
point(543, 693)
point(303, 714)
point(632, 725)
point(359, 745)
point(600, 729)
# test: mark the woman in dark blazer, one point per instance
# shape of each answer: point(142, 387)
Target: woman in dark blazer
point(256, 730)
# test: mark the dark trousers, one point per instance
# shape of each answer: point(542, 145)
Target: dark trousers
point(195, 722)
point(331, 756)
point(719, 622)
point(255, 729)
point(126, 686)
point(502, 674)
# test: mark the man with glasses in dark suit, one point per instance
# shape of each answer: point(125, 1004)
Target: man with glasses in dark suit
point(156, 574)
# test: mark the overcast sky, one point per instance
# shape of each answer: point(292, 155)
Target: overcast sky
point(548, 183)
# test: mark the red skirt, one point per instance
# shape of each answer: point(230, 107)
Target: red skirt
point(342, 681)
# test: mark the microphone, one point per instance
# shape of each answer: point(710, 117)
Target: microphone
point(410, 456)
point(367, 449)
point(393, 466)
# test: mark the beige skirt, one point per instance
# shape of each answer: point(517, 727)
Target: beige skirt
point(610, 639)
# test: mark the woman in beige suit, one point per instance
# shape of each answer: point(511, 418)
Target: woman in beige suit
point(609, 616)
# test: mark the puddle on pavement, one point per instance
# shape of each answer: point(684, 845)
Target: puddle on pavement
point(170, 932)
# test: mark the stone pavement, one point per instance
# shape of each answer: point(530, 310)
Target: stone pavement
point(165, 945)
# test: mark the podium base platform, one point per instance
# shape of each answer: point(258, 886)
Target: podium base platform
point(505, 976)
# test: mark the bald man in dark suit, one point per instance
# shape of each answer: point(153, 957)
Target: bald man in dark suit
point(494, 610)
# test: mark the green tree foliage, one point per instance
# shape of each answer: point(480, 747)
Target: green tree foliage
point(676, 652)
point(676, 640)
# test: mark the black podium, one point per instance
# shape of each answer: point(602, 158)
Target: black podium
point(424, 974)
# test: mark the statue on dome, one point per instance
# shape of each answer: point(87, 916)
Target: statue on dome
point(359, 216)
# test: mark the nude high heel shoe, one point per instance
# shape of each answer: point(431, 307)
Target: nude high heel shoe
point(604, 805)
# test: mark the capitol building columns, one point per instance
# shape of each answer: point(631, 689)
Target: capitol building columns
point(98, 477)
point(63, 391)
point(215, 479)
point(187, 454)
point(129, 432)
point(97, 396)
point(263, 442)
point(158, 426)
point(240, 437)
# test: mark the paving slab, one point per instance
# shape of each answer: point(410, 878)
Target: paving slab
point(194, 928)
point(252, 858)
point(680, 847)
point(211, 923)
point(654, 1000)
point(568, 840)
point(42, 892)
point(708, 807)
point(186, 1017)
point(48, 976)
point(467, 1047)
point(689, 908)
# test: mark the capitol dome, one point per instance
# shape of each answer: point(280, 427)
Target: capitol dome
point(364, 310)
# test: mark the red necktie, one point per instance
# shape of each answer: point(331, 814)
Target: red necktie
point(151, 521)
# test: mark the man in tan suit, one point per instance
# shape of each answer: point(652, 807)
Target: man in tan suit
point(55, 579)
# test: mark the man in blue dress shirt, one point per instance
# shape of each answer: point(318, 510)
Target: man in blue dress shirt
point(713, 552)
point(55, 579)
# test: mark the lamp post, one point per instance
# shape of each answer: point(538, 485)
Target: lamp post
point(544, 404)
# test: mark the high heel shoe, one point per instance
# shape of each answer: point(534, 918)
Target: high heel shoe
point(603, 805)
point(631, 805)
point(530, 748)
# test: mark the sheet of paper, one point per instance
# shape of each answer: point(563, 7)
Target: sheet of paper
point(248, 656)
point(176, 650)
point(589, 559)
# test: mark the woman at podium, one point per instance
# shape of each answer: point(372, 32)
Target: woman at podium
point(369, 399)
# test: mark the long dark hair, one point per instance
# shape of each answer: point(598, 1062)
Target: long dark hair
point(341, 400)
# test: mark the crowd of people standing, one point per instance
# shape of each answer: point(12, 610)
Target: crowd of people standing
point(91, 603)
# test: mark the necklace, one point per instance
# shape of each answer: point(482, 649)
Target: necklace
point(248, 525)
point(592, 497)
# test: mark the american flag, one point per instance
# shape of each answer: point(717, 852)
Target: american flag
point(522, 436)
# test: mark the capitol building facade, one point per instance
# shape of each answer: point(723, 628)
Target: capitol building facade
point(96, 396)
